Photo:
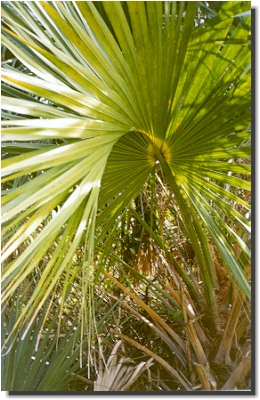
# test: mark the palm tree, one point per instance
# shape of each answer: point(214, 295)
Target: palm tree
point(106, 101)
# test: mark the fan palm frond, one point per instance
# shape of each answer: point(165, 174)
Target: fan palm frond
point(107, 92)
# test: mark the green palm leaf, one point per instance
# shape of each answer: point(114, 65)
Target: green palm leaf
point(106, 92)
point(32, 362)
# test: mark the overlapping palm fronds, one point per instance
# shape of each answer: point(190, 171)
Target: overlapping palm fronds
point(102, 98)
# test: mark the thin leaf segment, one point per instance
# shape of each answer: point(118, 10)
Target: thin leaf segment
point(104, 92)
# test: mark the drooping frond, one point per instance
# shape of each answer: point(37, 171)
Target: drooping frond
point(102, 94)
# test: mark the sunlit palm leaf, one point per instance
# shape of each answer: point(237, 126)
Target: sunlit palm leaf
point(113, 89)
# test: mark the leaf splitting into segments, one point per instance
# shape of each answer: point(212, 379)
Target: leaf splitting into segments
point(58, 155)
point(221, 242)
point(30, 226)
point(51, 269)
point(82, 78)
point(220, 166)
point(120, 25)
point(97, 59)
point(63, 95)
point(213, 192)
point(207, 69)
point(41, 180)
point(85, 46)
point(31, 30)
point(31, 129)
point(27, 107)
point(57, 263)
point(107, 42)
point(8, 228)
point(91, 180)
point(181, 92)
point(39, 198)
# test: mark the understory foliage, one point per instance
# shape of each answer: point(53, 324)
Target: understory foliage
point(126, 195)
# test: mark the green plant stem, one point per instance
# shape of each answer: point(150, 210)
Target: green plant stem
point(201, 253)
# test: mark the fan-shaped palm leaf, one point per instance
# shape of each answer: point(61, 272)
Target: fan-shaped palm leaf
point(107, 92)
